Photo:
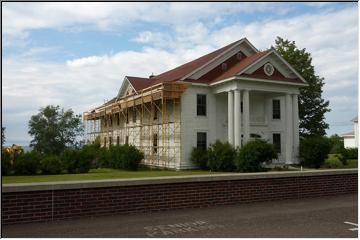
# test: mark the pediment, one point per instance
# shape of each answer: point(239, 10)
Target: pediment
point(281, 68)
point(126, 89)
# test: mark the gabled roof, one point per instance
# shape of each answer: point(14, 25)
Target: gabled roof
point(241, 65)
point(179, 72)
point(236, 68)
point(139, 83)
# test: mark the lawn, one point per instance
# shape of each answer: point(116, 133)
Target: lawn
point(98, 174)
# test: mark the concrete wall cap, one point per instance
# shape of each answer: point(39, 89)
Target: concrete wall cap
point(46, 186)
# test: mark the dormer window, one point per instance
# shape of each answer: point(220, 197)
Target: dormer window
point(224, 66)
point(239, 56)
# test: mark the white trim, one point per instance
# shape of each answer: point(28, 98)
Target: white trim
point(256, 80)
point(272, 81)
point(199, 84)
point(271, 69)
point(122, 85)
point(289, 66)
point(282, 59)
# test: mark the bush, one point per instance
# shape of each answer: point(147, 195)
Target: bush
point(92, 152)
point(221, 157)
point(337, 144)
point(51, 164)
point(253, 154)
point(103, 156)
point(130, 157)
point(314, 151)
point(76, 161)
point(199, 157)
point(126, 157)
point(6, 167)
point(350, 153)
point(27, 163)
point(333, 161)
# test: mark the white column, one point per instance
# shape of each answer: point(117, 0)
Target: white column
point(231, 117)
point(237, 118)
point(246, 115)
point(289, 130)
point(296, 127)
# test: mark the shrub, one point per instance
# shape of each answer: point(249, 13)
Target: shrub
point(6, 167)
point(51, 164)
point(130, 157)
point(333, 161)
point(221, 157)
point(199, 157)
point(103, 156)
point(27, 163)
point(350, 153)
point(92, 152)
point(314, 150)
point(76, 161)
point(337, 144)
point(115, 153)
point(253, 154)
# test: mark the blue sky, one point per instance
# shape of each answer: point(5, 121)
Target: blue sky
point(76, 54)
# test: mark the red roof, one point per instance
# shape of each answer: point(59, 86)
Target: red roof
point(181, 71)
point(234, 67)
point(139, 83)
point(241, 65)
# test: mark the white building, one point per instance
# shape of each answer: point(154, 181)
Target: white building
point(351, 138)
point(232, 94)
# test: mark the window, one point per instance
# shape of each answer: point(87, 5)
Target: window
point(201, 104)
point(134, 116)
point(104, 141)
point(110, 141)
point(117, 140)
point(110, 124)
point(155, 113)
point(201, 140)
point(155, 143)
point(276, 108)
point(118, 119)
point(127, 116)
point(224, 66)
point(277, 142)
point(127, 140)
point(241, 107)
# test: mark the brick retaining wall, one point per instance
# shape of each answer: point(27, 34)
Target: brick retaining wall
point(53, 201)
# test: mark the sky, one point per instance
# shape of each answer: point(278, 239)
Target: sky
point(76, 54)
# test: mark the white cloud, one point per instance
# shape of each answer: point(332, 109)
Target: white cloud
point(20, 18)
point(30, 83)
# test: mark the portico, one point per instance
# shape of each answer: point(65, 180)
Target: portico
point(250, 114)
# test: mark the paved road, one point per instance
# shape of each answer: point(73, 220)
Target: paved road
point(318, 217)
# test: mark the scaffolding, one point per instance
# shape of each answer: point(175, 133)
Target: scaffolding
point(149, 120)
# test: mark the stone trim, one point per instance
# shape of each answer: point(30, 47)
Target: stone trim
point(29, 187)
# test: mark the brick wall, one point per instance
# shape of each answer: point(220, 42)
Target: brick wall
point(46, 205)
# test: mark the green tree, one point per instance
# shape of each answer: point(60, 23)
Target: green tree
point(54, 129)
point(2, 136)
point(312, 107)
point(337, 143)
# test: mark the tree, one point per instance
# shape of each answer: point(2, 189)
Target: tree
point(54, 129)
point(337, 143)
point(2, 136)
point(312, 107)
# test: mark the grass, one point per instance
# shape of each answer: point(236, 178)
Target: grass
point(102, 173)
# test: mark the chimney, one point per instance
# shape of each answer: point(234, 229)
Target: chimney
point(152, 75)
